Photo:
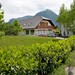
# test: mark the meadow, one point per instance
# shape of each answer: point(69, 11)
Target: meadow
point(22, 40)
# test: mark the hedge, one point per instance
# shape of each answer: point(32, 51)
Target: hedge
point(38, 59)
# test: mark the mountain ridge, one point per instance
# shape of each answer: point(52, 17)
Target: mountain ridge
point(20, 18)
point(45, 13)
point(49, 14)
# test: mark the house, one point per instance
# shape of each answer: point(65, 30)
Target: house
point(38, 25)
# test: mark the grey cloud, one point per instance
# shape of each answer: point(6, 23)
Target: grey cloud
point(16, 8)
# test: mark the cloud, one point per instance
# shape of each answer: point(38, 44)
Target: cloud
point(19, 8)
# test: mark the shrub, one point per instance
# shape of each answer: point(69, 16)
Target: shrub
point(2, 33)
point(36, 59)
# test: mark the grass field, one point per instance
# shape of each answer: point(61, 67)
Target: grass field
point(22, 40)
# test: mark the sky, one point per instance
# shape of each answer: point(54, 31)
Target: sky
point(20, 8)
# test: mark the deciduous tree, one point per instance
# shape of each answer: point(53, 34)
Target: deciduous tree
point(67, 17)
point(1, 18)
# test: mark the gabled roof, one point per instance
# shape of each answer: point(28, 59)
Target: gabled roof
point(33, 22)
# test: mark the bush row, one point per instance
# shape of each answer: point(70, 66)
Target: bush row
point(38, 59)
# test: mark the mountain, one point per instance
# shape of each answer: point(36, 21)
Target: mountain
point(49, 14)
point(46, 13)
point(20, 18)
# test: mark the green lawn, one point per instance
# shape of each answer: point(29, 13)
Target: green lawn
point(22, 40)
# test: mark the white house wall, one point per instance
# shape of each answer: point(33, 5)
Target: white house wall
point(44, 32)
point(41, 32)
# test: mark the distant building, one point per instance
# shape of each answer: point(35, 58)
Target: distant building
point(37, 25)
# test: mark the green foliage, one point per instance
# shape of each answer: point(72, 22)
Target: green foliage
point(63, 16)
point(9, 29)
point(59, 71)
point(67, 18)
point(1, 18)
point(72, 27)
point(38, 59)
point(2, 33)
point(71, 59)
point(12, 29)
point(57, 31)
point(16, 27)
point(72, 11)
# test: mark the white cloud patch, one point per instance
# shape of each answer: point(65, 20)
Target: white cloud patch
point(19, 8)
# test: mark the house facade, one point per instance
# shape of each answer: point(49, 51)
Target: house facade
point(38, 25)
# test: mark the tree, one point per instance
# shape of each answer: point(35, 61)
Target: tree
point(67, 17)
point(63, 17)
point(72, 17)
point(16, 27)
point(72, 11)
point(0, 5)
point(1, 21)
point(7, 28)
point(12, 29)
point(72, 27)
point(1, 18)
